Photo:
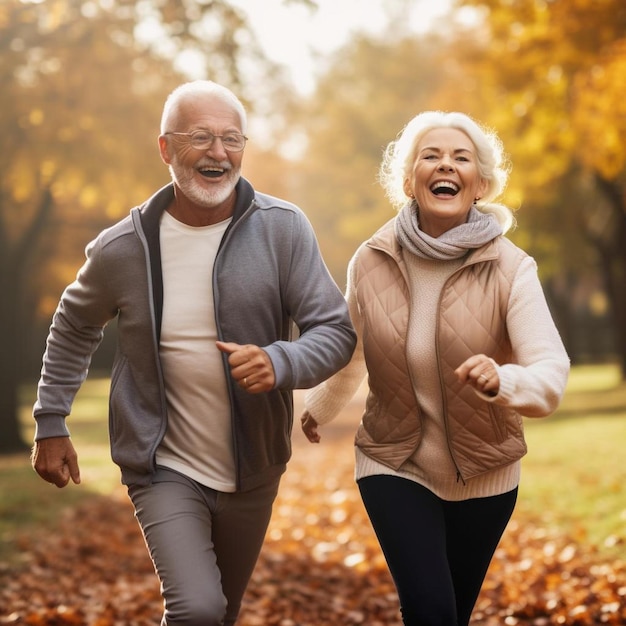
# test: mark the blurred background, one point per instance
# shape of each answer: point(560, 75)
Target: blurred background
point(327, 85)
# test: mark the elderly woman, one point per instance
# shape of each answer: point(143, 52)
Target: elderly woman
point(458, 344)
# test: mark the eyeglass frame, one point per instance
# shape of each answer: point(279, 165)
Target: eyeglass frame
point(214, 137)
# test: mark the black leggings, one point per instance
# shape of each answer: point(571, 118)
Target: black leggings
point(437, 551)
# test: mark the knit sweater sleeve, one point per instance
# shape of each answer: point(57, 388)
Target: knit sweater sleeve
point(535, 382)
point(325, 401)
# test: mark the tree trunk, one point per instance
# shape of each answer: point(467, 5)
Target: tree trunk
point(15, 320)
point(617, 291)
point(10, 360)
point(613, 264)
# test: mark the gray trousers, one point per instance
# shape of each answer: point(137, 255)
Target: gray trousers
point(204, 544)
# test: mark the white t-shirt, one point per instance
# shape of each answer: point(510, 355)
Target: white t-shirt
point(198, 442)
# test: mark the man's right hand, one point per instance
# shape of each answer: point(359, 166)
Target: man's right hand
point(56, 461)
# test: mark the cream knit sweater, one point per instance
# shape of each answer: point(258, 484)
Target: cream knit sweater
point(431, 465)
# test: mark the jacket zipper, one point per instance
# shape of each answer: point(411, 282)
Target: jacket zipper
point(139, 230)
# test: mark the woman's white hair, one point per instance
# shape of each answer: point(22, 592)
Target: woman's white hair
point(188, 91)
point(399, 158)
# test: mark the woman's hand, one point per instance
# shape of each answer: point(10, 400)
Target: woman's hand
point(309, 427)
point(480, 372)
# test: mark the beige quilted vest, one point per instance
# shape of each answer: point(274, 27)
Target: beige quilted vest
point(472, 311)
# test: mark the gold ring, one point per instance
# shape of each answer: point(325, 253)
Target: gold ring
point(245, 381)
point(484, 379)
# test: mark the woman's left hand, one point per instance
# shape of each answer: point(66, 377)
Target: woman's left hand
point(309, 427)
point(480, 372)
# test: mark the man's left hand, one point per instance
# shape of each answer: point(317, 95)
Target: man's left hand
point(250, 366)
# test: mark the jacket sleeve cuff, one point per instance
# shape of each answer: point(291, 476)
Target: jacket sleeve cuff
point(283, 377)
point(50, 426)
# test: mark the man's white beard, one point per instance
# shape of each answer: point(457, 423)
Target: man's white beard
point(209, 198)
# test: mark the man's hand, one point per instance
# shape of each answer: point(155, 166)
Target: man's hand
point(56, 461)
point(250, 366)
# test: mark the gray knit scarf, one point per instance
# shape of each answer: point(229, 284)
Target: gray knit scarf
point(479, 229)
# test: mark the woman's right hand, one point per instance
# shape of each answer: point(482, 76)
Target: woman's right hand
point(309, 427)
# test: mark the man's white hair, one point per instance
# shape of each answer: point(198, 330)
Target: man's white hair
point(190, 90)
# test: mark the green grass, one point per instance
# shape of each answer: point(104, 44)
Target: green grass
point(574, 474)
point(572, 477)
point(26, 501)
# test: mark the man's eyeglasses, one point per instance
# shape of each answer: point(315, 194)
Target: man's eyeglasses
point(203, 140)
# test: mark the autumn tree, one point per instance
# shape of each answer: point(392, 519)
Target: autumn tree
point(548, 76)
point(83, 86)
point(64, 107)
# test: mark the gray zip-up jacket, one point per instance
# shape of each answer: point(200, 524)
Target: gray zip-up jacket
point(268, 275)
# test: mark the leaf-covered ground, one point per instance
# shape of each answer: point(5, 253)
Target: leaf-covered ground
point(320, 565)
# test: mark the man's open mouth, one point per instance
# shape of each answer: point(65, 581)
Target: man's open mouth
point(211, 172)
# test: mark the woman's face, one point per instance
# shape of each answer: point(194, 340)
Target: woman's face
point(445, 180)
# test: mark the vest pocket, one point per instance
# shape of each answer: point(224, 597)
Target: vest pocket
point(498, 422)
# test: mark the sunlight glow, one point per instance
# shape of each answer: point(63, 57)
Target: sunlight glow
point(300, 38)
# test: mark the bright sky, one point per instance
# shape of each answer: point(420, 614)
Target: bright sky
point(294, 35)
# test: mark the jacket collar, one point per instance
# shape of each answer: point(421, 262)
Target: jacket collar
point(152, 209)
point(384, 239)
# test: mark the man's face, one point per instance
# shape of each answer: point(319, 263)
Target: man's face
point(208, 176)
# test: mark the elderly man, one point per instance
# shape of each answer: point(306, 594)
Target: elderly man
point(206, 279)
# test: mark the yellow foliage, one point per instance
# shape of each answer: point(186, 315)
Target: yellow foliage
point(599, 114)
point(89, 197)
point(36, 117)
point(558, 67)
